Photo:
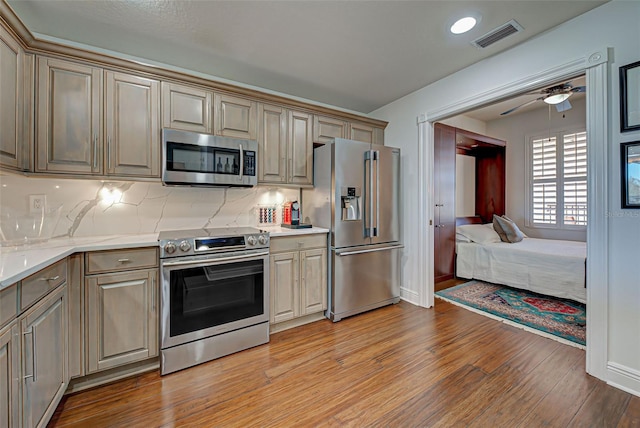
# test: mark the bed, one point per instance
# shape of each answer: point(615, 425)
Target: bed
point(546, 266)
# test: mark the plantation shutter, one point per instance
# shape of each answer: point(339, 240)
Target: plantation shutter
point(575, 179)
point(544, 172)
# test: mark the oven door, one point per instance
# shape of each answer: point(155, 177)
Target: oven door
point(203, 296)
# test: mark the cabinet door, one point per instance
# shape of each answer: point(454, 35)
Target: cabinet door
point(300, 148)
point(11, 101)
point(132, 118)
point(325, 129)
point(68, 117)
point(9, 376)
point(313, 277)
point(366, 133)
point(272, 144)
point(44, 358)
point(186, 108)
point(283, 280)
point(235, 117)
point(121, 319)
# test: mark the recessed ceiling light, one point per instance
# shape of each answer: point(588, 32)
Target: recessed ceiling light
point(463, 25)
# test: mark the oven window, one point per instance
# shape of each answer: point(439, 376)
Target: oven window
point(208, 296)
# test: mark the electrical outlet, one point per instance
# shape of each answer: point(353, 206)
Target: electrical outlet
point(37, 204)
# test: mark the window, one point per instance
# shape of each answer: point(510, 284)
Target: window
point(558, 180)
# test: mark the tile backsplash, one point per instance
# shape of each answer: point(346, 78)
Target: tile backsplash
point(96, 208)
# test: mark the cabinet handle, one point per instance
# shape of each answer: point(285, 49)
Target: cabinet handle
point(53, 278)
point(109, 154)
point(34, 367)
point(439, 205)
point(153, 294)
point(95, 151)
point(124, 260)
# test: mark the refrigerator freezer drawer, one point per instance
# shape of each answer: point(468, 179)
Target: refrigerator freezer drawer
point(363, 279)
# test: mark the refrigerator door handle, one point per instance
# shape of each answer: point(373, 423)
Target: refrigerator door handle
point(349, 253)
point(368, 212)
point(376, 157)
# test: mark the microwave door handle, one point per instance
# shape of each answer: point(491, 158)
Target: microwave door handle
point(241, 161)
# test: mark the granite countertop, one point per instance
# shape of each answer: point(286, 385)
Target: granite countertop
point(16, 263)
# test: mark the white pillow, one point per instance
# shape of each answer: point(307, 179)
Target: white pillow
point(461, 238)
point(480, 233)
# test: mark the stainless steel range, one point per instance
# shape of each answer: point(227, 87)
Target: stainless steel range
point(214, 294)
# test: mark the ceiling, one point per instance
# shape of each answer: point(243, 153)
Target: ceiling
point(356, 55)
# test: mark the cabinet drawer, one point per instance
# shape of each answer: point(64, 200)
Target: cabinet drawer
point(118, 260)
point(8, 303)
point(39, 284)
point(293, 243)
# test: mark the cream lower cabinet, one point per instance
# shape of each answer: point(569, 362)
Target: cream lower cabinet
point(122, 318)
point(44, 357)
point(10, 375)
point(297, 277)
point(121, 312)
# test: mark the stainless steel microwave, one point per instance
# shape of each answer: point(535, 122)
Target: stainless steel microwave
point(193, 159)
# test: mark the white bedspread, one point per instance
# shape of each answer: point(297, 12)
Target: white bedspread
point(546, 266)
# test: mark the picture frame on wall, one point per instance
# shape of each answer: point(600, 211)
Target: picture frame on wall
point(630, 97)
point(630, 174)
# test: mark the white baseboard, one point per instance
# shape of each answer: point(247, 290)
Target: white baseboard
point(624, 378)
point(410, 296)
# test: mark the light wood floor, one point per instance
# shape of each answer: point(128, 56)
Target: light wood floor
point(399, 366)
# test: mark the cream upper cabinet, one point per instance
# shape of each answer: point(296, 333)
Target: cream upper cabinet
point(132, 123)
point(9, 376)
point(235, 117)
point(325, 129)
point(16, 82)
point(272, 144)
point(300, 148)
point(69, 111)
point(186, 108)
point(366, 133)
point(44, 358)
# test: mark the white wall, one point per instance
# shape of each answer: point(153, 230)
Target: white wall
point(465, 186)
point(616, 25)
point(467, 123)
point(514, 129)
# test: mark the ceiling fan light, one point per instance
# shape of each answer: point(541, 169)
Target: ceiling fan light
point(556, 98)
point(463, 25)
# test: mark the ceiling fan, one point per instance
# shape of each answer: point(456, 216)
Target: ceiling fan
point(555, 95)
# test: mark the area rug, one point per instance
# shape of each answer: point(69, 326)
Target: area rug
point(560, 319)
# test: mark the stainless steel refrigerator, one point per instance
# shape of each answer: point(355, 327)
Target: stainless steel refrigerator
point(356, 195)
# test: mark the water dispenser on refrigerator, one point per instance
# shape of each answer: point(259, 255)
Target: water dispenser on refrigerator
point(350, 197)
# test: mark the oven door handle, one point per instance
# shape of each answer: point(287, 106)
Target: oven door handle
point(222, 259)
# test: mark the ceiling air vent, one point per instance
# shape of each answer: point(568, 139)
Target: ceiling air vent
point(498, 34)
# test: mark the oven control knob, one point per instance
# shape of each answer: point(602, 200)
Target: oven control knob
point(185, 246)
point(263, 239)
point(251, 240)
point(170, 248)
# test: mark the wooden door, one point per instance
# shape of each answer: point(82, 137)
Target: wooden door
point(9, 376)
point(44, 358)
point(132, 130)
point(283, 280)
point(272, 144)
point(444, 197)
point(121, 319)
point(186, 108)
point(235, 117)
point(313, 279)
point(69, 112)
point(300, 168)
point(325, 129)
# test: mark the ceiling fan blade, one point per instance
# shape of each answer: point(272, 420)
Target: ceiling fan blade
point(521, 105)
point(579, 89)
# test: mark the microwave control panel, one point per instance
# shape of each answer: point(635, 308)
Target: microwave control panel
point(249, 163)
